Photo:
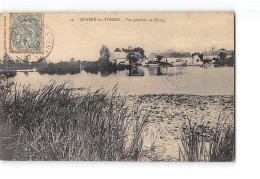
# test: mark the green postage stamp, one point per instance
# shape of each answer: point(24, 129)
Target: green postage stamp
point(26, 33)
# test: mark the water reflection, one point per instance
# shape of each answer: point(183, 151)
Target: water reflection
point(105, 73)
point(150, 80)
point(157, 71)
point(136, 71)
point(169, 71)
point(140, 71)
point(26, 73)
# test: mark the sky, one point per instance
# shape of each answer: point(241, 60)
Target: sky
point(75, 37)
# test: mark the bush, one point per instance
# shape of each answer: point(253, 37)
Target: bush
point(92, 67)
point(60, 68)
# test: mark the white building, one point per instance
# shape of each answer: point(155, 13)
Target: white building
point(119, 58)
point(174, 60)
point(210, 55)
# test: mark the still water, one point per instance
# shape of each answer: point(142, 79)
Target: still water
point(144, 80)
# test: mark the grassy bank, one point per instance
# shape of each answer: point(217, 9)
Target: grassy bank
point(56, 123)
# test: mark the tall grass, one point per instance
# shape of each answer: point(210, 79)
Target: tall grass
point(200, 142)
point(56, 123)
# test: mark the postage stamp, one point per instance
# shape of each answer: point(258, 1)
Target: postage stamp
point(26, 33)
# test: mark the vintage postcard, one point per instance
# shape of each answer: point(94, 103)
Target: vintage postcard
point(117, 86)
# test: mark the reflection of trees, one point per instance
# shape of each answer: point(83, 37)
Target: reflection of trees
point(157, 71)
point(171, 76)
point(108, 71)
point(26, 73)
point(136, 71)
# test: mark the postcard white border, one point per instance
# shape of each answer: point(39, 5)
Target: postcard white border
point(246, 165)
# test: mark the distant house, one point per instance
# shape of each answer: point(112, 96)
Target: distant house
point(210, 55)
point(119, 57)
point(176, 60)
point(174, 57)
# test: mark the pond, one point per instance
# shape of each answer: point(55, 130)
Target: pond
point(208, 80)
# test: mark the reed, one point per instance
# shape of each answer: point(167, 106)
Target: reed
point(200, 142)
point(57, 123)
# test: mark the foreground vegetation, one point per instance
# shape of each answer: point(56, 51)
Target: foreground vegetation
point(56, 123)
point(200, 142)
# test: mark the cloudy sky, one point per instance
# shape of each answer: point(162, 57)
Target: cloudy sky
point(82, 40)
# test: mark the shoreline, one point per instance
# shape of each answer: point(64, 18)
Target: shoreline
point(178, 94)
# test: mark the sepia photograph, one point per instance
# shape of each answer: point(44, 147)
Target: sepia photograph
point(121, 86)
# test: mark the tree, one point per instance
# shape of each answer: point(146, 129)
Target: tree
point(8, 62)
point(104, 65)
point(140, 50)
point(159, 58)
point(131, 55)
point(118, 50)
point(131, 58)
point(222, 55)
point(104, 54)
point(137, 49)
